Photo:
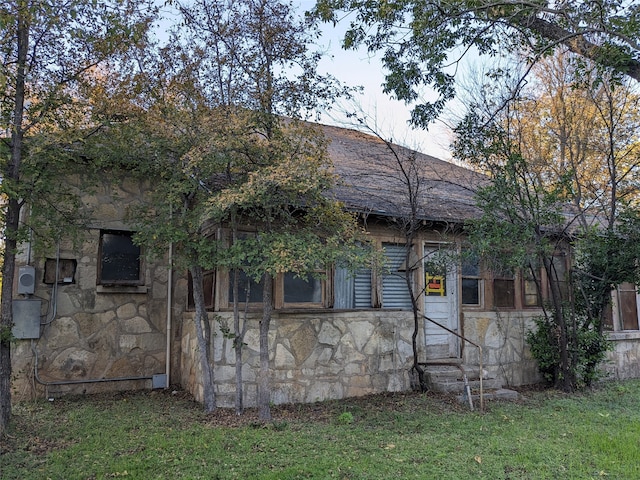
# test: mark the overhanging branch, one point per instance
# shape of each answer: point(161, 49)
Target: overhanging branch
point(577, 43)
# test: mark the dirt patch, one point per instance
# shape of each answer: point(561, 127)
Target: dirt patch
point(328, 411)
point(180, 405)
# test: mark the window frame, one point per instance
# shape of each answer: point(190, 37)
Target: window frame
point(118, 282)
point(527, 278)
point(224, 279)
point(378, 279)
point(320, 275)
point(504, 278)
point(479, 278)
point(619, 318)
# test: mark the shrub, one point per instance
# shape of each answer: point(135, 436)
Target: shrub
point(586, 346)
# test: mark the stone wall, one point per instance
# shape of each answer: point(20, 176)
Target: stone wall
point(90, 332)
point(328, 355)
point(506, 354)
point(624, 360)
point(501, 335)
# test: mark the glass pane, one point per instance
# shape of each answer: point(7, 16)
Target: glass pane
point(246, 284)
point(302, 290)
point(120, 258)
point(503, 293)
point(470, 291)
point(470, 268)
point(628, 306)
point(531, 297)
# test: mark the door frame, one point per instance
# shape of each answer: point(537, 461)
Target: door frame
point(452, 286)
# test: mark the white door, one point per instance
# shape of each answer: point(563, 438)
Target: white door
point(440, 305)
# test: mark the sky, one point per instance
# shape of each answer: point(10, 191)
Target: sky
point(386, 115)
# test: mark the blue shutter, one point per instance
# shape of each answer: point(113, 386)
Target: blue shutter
point(362, 288)
point(395, 293)
point(352, 289)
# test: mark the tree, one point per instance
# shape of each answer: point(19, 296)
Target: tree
point(48, 50)
point(299, 228)
point(162, 126)
point(208, 114)
point(545, 154)
point(422, 42)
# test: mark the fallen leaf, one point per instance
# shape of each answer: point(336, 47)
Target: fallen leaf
point(478, 459)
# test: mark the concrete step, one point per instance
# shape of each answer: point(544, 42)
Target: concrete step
point(457, 386)
point(446, 378)
point(497, 394)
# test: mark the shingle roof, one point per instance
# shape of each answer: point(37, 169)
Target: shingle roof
point(372, 179)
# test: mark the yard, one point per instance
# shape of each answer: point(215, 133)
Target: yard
point(158, 435)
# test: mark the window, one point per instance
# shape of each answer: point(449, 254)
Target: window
point(343, 289)
point(560, 274)
point(289, 290)
point(395, 292)
point(208, 289)
point(246, 285)
point(301, 290)
point(628, 306)
point(471, 282)
point(352, 289)
point(363, 289)
point(504, 291)
point(120, 259)
point(530, 291)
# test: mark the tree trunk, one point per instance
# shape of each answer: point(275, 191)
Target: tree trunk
point(264, 384)
point(238, 338)
point(565, 377)
point(6, 322)
point(12, 174)
point(417, 368)
point(203, 335)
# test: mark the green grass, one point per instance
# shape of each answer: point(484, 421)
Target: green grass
point(163, 436)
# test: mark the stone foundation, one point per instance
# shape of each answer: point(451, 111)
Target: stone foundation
point(313, 356)
point(624, 360)
point(505, 352)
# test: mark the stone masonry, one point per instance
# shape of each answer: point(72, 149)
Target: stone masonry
point(505, 352)
point(313, 356)
point(91, 332)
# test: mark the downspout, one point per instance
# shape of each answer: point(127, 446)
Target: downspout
point(169, 296)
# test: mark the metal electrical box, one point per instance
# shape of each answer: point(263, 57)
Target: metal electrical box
point(26, 319)
point(26, 280)
point(159, 381)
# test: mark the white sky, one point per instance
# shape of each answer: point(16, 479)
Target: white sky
point(387, 116)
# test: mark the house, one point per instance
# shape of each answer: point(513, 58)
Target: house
point(100, 317)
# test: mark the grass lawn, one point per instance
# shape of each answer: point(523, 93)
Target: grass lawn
point(157, 435)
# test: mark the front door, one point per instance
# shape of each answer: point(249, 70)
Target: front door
point(440, 304)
